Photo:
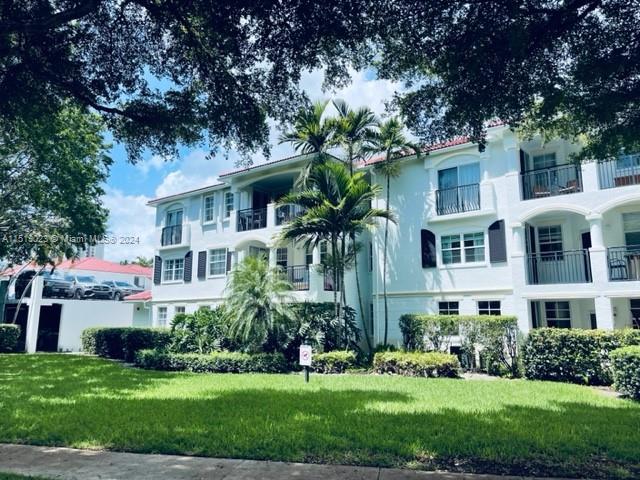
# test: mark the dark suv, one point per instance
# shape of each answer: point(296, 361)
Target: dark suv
point(54, 284)
point(86, 286)
point(122, 289)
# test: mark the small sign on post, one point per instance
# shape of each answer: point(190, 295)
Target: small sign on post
point(305, 360)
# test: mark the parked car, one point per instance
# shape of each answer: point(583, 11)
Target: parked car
point(86, 286)
point(54, 285)
point(122, 289)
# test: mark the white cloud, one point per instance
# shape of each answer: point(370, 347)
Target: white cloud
point(155, 162)
point(130, 217)
point(194, 171)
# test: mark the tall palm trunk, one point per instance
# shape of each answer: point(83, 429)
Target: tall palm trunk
point(384, 265)
point(343, 295)
point(334, 274)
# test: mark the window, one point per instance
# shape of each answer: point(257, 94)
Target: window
point(178, 310)
point(634, 303)
point(558, 314)
point(282, 257)
point(228, 204)
point(459, 176)
point(309, 256)
point(138, 281)
point(162, 317)
point(209, 209)
point(174, 217)
point(489, 307)
point(631, 224)
point(217, 261)
point(546, 160)
point(449, 308)
point(258, 252)
point(173, 269)
point(628, 161)
point(370, 257)
point(474, 247)
point(550, 242)
point(324, 250)
point(451, 252)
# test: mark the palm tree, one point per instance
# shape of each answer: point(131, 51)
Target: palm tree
point(312, 134)
point(257, 297)
point(336, 205)
point(391, 142)
point(354, 128)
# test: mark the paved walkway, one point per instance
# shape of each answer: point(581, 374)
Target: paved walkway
point(72, 464)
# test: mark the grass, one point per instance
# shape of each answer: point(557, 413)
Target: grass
point(501, 426)
point(13, 476)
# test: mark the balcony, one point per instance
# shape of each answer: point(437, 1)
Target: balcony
point(286, 213)
point(624, 263)
point(571, 266)
point(550, 182)
point(297, 276)
point(620, 172)
point(251, 219)
point(174, 236)
point(465, 198)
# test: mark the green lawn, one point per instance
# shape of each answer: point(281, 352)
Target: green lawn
point(489, 426)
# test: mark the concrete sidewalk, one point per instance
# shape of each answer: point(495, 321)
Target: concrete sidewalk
point(72, 464)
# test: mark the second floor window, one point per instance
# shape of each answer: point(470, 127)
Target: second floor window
point(550, 242)
point(545, 160)
point(474, 247)
point(173, 269)
point(209, 208)
point(217, 261)
point(174, 217)
point(451, 252)
point(228, 204)
point(631, 225)
point(282, 257)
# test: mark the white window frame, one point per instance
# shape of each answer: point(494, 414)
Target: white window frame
point(282, 257)
point(210, 262)
point(448, 307)
point(176, 312)
point(557, 310)
point(228, 207)
point(474, 247)
point(545, 160)
point(489, 309)
point(174, 277)
point(550, 255)
point(463, 262)
point(451, 249)
point(174, 209)
point(211, 209)
point(624, 227)
point(163, 316)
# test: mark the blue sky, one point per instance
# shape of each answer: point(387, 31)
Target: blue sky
point(130, 187)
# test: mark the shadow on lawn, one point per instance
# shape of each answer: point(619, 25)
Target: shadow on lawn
point(368, 427)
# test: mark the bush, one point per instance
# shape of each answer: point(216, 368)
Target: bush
point(497, 335)
point(334, 362)
point(204, 331)
point(217, 362)
point(9, 335)
point(577, 356)
point(417, 364)
point(122, 343)
point(626, 370)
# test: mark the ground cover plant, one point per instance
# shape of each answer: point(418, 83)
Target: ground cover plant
point(499, 426)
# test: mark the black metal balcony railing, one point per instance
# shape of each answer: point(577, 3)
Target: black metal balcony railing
point(329, 281)
point(171, 235)
point(297, 276)
point(464, 198)
point(624, 263)
point(286, 213)
point(571, 266)
point(252, 219)
point(549, 182)
point(620, 172)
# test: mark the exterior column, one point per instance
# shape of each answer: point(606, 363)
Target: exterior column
point(273, 257)
point(598, 252)
point(519, 272)
point(604, 313)
point(33, 319)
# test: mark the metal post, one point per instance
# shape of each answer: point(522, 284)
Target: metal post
point(306, 374)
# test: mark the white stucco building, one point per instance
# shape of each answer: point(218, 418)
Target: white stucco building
point(515, 229)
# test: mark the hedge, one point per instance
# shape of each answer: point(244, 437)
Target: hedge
point(497, 335)
point(417, 364)
point(626, 370)
point(216, 362)
point(337, 361)
point(9, 335)
point(123, 343)
point(574, 355)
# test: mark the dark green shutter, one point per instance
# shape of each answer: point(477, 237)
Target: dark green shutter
point(497, 242)
point(157, 270)
point(428, 247)
point(202, 265)
point(188, 266)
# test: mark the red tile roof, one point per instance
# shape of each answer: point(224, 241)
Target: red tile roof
point(93, 264)
point(139, 297)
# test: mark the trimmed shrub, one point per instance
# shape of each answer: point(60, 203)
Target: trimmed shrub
point(497, 335)
point(334, 362)
point(204, 331)
point(216, 362)
point(123, 343)
point(9, 335)
point(417, 364)
point(625, 364)
point(574, 355)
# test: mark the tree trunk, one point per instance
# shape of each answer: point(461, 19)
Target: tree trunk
point(334, 274)
point(384, 265)
point(343, 293)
